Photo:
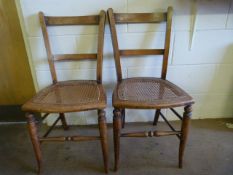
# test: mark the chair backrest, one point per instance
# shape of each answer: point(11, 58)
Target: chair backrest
point(99, 20)
point(122, 18)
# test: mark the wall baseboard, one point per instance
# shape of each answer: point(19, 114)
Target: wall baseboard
point(11, 113)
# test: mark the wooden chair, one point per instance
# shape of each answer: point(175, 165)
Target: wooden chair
point(146, 92)
point(69, 96)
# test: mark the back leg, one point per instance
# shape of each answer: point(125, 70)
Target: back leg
point(156, 118)
point(123, 117)
point(63, 121)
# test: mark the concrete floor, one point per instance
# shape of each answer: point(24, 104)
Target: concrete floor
point(209, 151)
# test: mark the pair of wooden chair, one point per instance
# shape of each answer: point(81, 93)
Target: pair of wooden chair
point(130, 93)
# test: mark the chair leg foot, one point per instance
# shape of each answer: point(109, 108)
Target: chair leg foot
point(116, 133)
point(32, 128)
point(103, 137)
point(63, 121)
point(156, 118)
point(184, 132)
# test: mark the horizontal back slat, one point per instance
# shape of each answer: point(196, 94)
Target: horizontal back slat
point(74, 57)
point(140, 17)
point(142, 52)
point(71, 20)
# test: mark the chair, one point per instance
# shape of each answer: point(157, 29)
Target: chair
point(69, 96)
point(146, 92)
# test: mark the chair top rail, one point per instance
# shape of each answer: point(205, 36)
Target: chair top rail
point(122, 18)
point(71, 20)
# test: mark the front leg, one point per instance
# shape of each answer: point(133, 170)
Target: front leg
point(184, 132)
point(103, 137)
point(32, 128)
point(117, 133)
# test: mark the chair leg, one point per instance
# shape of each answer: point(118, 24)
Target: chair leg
point(184, 132)
point(32, 128)
point(116, 133)
point(63, 121)
point(103, 137)
point(123, 117)
point(156, 118)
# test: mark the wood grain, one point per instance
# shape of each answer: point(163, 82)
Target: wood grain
point(73, 95)
point(184, 132)
point(146, 92)
point(141, 52)
point(71, 20)
point(48, 47)
point(103, 137)
point(100, 46)
point(16, 85)
point(116, 135)
point(116, 51)
point(74, 57)
point(167, 42)
point(140, 17)
point(32, 128)
point(150, 134)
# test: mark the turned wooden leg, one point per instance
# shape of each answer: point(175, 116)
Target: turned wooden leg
point(156, 118)
point(34, 138)
point(184, 132)
point(116, 133)
point(103, 137)
point(63, 121)
point(123, 117)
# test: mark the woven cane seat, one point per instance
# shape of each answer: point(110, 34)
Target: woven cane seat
point(68, 96)
point(149, 93)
